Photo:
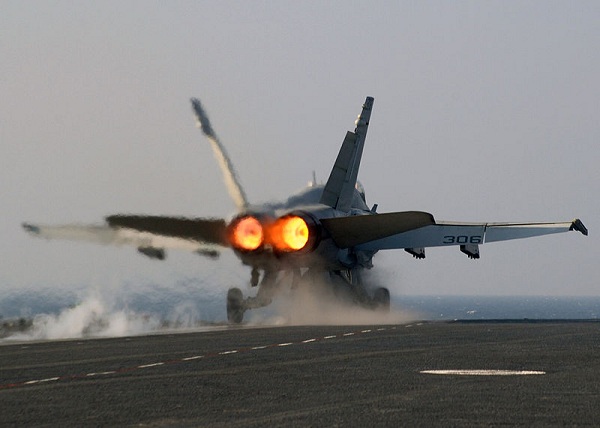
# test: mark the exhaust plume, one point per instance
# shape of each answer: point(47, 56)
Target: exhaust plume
point(229, 175)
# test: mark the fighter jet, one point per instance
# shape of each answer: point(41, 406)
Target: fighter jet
point(325, 234)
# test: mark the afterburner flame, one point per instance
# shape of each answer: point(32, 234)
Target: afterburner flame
point(289, 233)
point(286, 234)
point(247, 234)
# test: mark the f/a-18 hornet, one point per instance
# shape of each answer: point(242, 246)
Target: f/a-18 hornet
point(323, 234)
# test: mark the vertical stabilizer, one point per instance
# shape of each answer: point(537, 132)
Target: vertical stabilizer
point(232, 181)
point(339, 190)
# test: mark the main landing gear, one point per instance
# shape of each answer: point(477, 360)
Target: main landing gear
point(381, 299)
point(237, 305)
point(346, 285)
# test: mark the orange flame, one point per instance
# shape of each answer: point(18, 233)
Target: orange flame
point(289, 233)
point(247, 234)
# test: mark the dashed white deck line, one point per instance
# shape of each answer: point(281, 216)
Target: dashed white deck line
point(234, 351)
point(145, 366)
point(464, 372)
point(51, 379)
point(195, 357)
point(101, 373)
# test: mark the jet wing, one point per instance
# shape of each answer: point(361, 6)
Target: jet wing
point(195, 229)
point(467, 235)
point(355, 230)
point(150, 234)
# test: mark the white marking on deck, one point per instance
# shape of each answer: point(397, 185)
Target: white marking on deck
point(145, 366)
point(51, 379)
point(464, 372)
point(101, 373)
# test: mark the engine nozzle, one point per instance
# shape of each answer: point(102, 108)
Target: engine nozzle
point(246, 233)
point(287, 234)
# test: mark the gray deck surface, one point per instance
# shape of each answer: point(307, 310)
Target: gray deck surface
point(310, 376)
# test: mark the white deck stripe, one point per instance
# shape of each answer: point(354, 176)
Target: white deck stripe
point(150, 365)
point(484, 372)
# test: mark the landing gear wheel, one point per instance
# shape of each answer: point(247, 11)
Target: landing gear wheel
point(235, 306)
point(381, 298)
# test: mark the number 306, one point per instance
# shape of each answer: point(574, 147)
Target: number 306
point(462, 239)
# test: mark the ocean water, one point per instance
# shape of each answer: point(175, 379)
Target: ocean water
point(496, 307)
point(51, 314)
point(211, 308)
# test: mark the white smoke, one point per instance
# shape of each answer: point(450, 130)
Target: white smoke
point(308, 307)
point(184, 315)
point(93, 317)
point(118, 310)
point(315, 302)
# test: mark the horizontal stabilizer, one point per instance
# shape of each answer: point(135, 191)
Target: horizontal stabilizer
point(354, 230)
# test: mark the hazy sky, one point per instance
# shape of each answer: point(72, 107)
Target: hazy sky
point(484, 111)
